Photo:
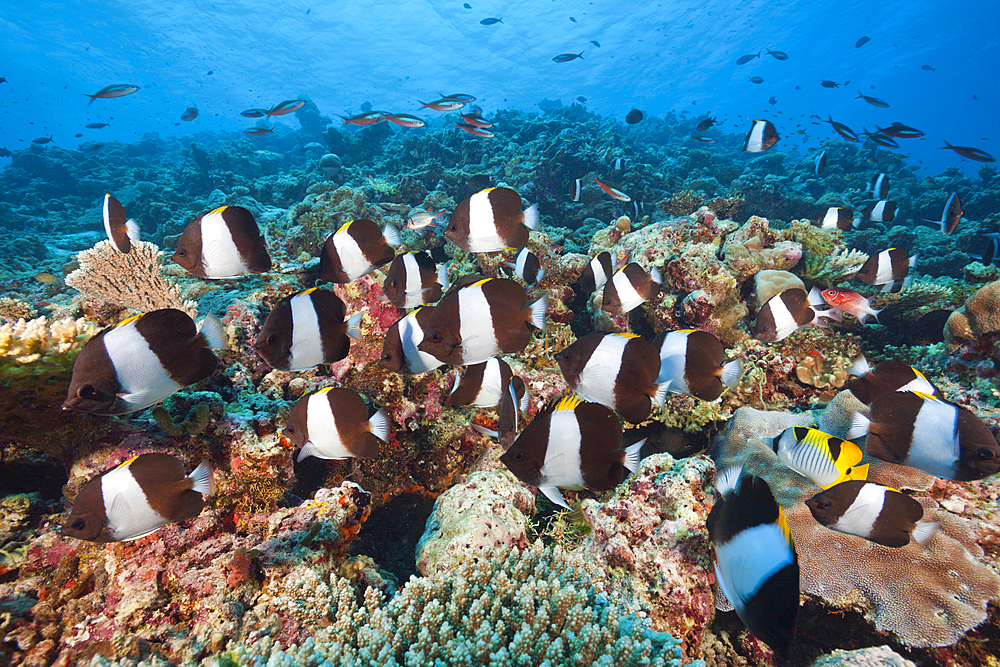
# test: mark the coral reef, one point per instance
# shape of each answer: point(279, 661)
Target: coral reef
point(976, 324)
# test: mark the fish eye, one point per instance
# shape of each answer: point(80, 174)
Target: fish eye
point(519, 456)
point(272, 339)
point(181, 252)
point(436, 337)
point(78, 524)
point(453, 228)
point(984, 454)
point(289, 429)
point(387, 357)
point(88, 392)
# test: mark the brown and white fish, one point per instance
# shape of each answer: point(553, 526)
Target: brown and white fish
point(474, 322)
point(399, 349)
point(491, 220)
point(888, 376)
point(223, 243)
point(355, 250)
point(884, 210)
point(413, 280)
point(305, 330)
point(761, 137)
point(333, 423)
point(879, 186)
point(527, 267)
point(142, 360)
point(951, 215)
point(877, 513)
point(787, 311)
point(572, 444)
point(886, 266)
point(836, 217)
point(121, 231)
point(693, 362)
point(483, 384)
point(629, 288)
point(138, 497)
point(614, 369)
point(929, 434)
point(597, 273)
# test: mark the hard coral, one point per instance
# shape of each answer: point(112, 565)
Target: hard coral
point(977, 323)
point(755, 247)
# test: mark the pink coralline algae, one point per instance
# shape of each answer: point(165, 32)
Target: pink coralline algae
point(650, 546)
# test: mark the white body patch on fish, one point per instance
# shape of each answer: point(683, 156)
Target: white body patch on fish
point(749, 559)
point(479, 340)
point(630, 299)
point(673, 360)
point(597, 379)
point(410, 335)
point(219, 255)
point(784, 322)
point(935, 448)
point(141, 375)
point(490, 392)
point(306, 350)
point(562, 455)
point(324, 439)
point(352, 260)
point(859, 519)
point(129, 514)
point(412, 273)
point(483, 235)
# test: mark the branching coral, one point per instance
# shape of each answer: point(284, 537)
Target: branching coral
point(130, 279)
point(30, 349)
point(913, 297)
point(535, 607)
point(839, 265)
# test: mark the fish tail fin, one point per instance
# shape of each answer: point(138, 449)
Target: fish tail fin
point(378, 424)
point(391, 235)
point(815, 296)
point(947, 145)
point(132, 230)
point(632, 455)
point(443, 276)
point(656, 276)
point(732, 373)
point(726, 479)
point(531, 217)
point(541, 274)
point(859, 426)
point(925, 532)
point(552, 493)
point(201, 479)
point(94, 97)
point(662, 389)
point(859, 367)
point(538, 310)
point(214, 333)
point(525, 401)
point(913, 260)
point(354, 326)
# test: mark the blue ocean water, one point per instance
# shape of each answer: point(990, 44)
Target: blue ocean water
point(224, 57)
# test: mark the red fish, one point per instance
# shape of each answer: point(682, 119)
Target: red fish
point(258, 131)
point(842, 130)
point(851, 302)
point(404, 119)
point(476, 120)
point(444, 104)
point(367, 118)
point(288, 106)
point(971, 153)
point(475, 131)
point(613, 190)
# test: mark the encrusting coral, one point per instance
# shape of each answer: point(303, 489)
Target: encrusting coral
point(131, 279)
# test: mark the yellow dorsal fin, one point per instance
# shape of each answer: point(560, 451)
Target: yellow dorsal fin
point(130, 320)
point(324, 390)
point(487, 189)
point(307, 291)
point(927, 397)
point(344, 227)
point(218, 210)
point(626, 335)
point(685, 330)
point(568, 403)
point(127, 462)
point(480, 282)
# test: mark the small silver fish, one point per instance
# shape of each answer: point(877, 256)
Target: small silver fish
point(422, 219)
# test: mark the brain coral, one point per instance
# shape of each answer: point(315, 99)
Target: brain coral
point(979, 318)
point(926, 596)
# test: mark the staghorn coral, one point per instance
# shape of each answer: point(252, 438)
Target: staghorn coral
point(130, 279)
point(839, 265)
point(535, 607)
point(917, 295)
point(947, 588)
